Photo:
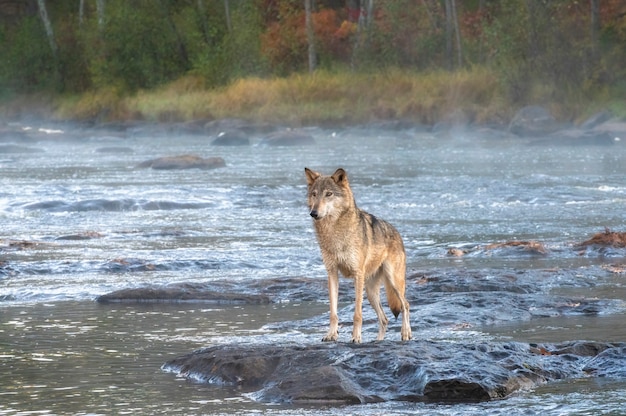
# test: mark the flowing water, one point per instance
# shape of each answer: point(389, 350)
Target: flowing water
point(79, 220)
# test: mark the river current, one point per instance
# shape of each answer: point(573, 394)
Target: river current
point(79, 219)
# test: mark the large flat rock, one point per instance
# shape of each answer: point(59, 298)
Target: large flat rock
point(423, 371)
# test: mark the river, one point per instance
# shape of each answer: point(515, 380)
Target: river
point(79, 220)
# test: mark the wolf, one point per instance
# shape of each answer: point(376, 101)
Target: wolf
point(360, 246)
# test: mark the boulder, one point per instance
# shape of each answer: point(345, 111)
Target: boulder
point(421, 371)
point(596, 120)
point(288, 138)
point(534, 121)
point(232, 137)
point(216, 127)
point(183, 162)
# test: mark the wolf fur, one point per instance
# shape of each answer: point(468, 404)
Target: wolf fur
point(360, 246)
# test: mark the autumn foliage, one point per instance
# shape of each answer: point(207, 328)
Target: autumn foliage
point(554, 50)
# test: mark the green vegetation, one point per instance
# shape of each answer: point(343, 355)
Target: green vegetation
point(421, 60)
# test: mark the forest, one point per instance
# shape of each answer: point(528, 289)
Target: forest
point(570, 52)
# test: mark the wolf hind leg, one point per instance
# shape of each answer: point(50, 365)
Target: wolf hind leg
point(394, 280)
point(372, 288)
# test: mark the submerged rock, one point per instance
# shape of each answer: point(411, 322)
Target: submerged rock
point(410, 371)
point(288, 138)
point(183, 162)
point(182, 292)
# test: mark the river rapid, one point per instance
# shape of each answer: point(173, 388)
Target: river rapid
point(80, 220)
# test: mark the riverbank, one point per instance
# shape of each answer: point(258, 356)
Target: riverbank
point(323, 98)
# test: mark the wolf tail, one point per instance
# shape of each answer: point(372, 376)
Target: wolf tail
point(394, 290)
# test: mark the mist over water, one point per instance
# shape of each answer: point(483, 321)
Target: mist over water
point(79, 221)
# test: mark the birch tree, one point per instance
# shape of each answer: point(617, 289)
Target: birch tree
point(43, 13)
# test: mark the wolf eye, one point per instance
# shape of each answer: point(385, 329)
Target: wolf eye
point(314, 194)
point(328, 194)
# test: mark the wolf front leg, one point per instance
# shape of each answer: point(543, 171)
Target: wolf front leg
point(359, 283)
point(333, 297)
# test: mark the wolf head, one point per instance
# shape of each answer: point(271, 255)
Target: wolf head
point(328, 196)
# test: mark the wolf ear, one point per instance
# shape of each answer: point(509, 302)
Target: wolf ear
point(311, 176)
point(340, 176)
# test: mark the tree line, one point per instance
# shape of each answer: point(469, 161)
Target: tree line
point(127, 45)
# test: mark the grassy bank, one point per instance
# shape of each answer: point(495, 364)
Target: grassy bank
point(321, 98)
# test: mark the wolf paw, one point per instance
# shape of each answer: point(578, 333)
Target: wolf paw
point(406, 335)
point(330, 338)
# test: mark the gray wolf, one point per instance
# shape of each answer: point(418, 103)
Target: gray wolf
point(360, 246)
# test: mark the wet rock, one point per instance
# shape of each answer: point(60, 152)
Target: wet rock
point(509, 247)
point(14, 135)
point(606, 239)
point(233, 137)
point(114, 149)
point(182, 292)
point(87, 235)
point(533, 247)
point(578, 137)
point(615, 128)
point(288, 138)
point(16, 245)
point(534, 121)
point(611, 362)
point(183, 162)
point(425, 371)
point(596, 119)
point(216, 127)
point(14, 148)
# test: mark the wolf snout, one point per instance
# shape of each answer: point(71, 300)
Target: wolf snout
point(314, 214)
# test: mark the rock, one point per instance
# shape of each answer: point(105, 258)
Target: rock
point(14, 148)
point(596, 119)
point(87, 235)
point(606, 239)
point(578, 137)
point(10, 135)
point(183, 162)
point(531, 247)
point(114, 149)
point(181, 292)
point(422, 371)
point(216, 127)
point(454, 123)
point(233, 137)
point(534, 121)
point(288, 138)
point(615, 128)
point(611, 362)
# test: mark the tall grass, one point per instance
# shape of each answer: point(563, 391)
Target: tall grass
point(324, 97)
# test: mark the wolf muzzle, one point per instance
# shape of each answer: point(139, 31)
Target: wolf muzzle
point(314, 214)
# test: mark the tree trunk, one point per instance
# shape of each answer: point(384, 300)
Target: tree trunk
point(43, 13)
point(449, 30)
point(229, 23)
point(595, 28)
point(182, 49)
point(455, 20)
point(310, 35)
point(100, 12)
point(81, 12)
